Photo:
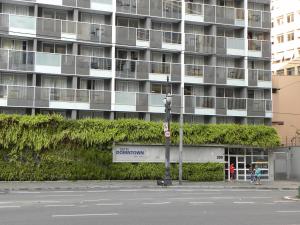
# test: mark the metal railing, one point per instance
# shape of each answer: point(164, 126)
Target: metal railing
point(260, 74)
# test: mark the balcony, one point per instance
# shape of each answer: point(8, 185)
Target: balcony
point(160, 71)
point(131, 36)
point(193, 74)
point(260, 78)
point(197, 12)
point(231, 106)
point(230, 76)
point(257, 107)
point(29, 26)
point(132, 69)
point(259, 19)
point(156, 103)
point(165, 39)
point(44, 62)
point(200, 105)
point(131, 101)
point(259, 48)
point(54, 98)
point(199, 43)
point(231, 46)
point(230, 15)
point(166, 8)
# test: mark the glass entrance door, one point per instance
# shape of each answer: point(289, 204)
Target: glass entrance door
point(239, 165)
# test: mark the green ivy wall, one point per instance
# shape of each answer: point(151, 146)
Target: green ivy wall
point(51, 148)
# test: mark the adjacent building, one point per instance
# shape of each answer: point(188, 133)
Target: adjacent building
point(111, 59)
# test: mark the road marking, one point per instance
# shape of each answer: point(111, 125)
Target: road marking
point(25, 192)
point(156, 203)
point(284, 201)
point(288, 211)
point(257, 197)
point(109, 204)
point(59, 205)
point(96, 191)
point(6, 202)
point(129, 190)
point(243, 202)
point(181, 198)
point(9, 206)
point(85, 215)
point(196, 203)
point(62, 195)
point(97, 200)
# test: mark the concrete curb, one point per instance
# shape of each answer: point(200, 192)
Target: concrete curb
point(114, 187)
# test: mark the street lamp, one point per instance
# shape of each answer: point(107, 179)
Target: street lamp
point(167, 102)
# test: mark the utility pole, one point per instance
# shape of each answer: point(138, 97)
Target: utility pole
point(168, 102)
point(181, 136)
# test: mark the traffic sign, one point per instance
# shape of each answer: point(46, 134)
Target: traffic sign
point(167, 134)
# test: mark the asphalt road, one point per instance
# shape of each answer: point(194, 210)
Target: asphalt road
point(165, 206)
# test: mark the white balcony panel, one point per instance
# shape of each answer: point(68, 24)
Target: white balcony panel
point(264, 84)
point(145, 44)
point(171, 46)
point(22, 25)
point(194, 17)
point(269, 115)
point(3, 102)
point(193, 79)
point(236, 82)
point(52, 2)
point(252, 53)
point(158, 77)
point(239, 23)
point(205, 111)
point(48, 69)
point(102, 5)
point(156, 109)
point(101, 73)
point(125, 108)
point(236, 113)
point(231, 51)
point(68, 105)
point(68, 37)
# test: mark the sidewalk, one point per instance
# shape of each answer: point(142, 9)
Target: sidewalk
point(83, 185)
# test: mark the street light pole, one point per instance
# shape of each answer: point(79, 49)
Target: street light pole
point(167, 180)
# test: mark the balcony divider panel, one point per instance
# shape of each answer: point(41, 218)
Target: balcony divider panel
point(209, 75)
point(155, 39)
point(141, 102)
point(42, 97)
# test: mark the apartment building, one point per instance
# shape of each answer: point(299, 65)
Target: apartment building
point(111, 59)
point(285, 37)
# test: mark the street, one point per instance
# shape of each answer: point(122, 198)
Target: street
point(149, 206)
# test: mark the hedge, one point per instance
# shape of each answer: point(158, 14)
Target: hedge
point(49, 147)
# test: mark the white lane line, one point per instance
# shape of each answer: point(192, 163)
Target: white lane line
point(156, 203)
point(9, 206)
point(6, 202)
point(288, 211)
point(198, 203)
point(243, 202)
point(109, 204)
point(38, 201)
point(62, 195)
point(283, 201)
point(59, 205)
point(85, 215)
point(137, 199)
point(257, 197)
point(181, 198)
point(97, 200)
point(128, 190)
point(99, 191)
point(25, 192)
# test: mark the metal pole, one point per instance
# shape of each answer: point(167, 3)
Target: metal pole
point(181, 137)
point(168, 180)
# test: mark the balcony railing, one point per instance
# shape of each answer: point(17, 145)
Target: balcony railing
point(230, 15)
point(194, 70)
point(259, 19)
point(164, 8)
point(56, 29)
point(200, 43)
point(47, 97)
point(259, 48)
point(171, 37)
point(45, 62)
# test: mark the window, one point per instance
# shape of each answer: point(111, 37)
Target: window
point(290, 36)
point(298, 70)
point(280, 72)
point(280, 20)
point(188, 90)
point(280, 38)
point(290, 71)
point(159, 88)
point(290, 18)
point(127, 86)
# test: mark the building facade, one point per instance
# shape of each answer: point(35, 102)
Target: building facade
point(285, 37)
point(111, 59)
